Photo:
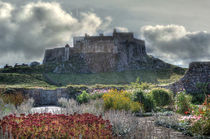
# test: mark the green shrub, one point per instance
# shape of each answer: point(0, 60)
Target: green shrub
point(145, 86)
point(83, 98)
point(140, 85)
point(138, 95)
point(162, 97)
point(120, 100)
point(183, 103)
point(201, 126)
point(201, 122)
point(96, 96)
point(198, 98)
point(148, 103)
point(145, 99)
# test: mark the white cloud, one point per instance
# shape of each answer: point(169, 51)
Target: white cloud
point(122, 29)
point(5, 10)
point(174, 44)
point(28, 30)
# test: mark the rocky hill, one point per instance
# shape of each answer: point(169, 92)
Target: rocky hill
point(93, 54)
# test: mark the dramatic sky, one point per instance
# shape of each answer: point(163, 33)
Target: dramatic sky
point(176, 31)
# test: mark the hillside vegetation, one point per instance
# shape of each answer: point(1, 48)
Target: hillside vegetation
point(18, 80)
point(25, 76)
point(124, 77)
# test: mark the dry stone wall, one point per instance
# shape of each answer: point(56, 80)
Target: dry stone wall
point(195, 80)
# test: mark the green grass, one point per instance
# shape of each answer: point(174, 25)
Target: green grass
point(22, 79)
point(109, 78)
point(17, 80)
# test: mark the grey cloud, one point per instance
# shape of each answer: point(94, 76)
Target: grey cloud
point(28, 30)
point(38, 31)
point(176, 45)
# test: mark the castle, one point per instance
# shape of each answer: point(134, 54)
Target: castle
point(91, 54)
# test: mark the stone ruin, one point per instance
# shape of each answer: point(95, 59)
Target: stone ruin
point(92, 54)
point(196, 78)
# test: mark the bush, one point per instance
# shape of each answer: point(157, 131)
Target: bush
point(6, 109)
point(183, 103)
point(123, 123)
point(198, 98)
point(71, 106)
point(83, 98)
point(13, 97)
point(162, 97)
point(120, 100)
point(96, 96)
point(201, 124)
point(140, 85)
point(97, 93)
point(47, 125)
point(145, 99)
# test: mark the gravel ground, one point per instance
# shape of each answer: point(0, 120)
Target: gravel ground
point(158, 132)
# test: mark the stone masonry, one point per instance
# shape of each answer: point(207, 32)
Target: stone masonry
point(197, 75)
point(92, 54)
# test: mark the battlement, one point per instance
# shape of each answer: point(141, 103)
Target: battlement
point(101, 43)
point(119, 36)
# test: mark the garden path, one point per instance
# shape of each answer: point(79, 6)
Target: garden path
point(150, 130)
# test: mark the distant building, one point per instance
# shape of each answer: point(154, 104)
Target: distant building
point(118, 52)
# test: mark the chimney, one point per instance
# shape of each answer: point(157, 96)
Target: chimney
point(86, 35)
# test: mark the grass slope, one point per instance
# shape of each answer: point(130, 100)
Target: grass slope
point(20, 80)
point(125, 77)
point(23, 76)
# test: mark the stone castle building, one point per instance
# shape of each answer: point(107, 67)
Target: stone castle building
point(91, 54)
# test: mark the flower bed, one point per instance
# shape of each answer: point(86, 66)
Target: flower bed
point(199, 118)
point(47, 125)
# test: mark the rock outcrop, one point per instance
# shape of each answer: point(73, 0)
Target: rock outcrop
point(92, 54)
point(196, 79)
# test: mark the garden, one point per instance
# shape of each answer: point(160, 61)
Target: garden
point(139, 111)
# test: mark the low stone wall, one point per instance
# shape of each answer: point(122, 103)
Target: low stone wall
point(47, 97)
point(196, 78)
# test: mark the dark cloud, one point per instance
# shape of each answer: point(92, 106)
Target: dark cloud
point(174, 44)
point(28, 30)
point(27, 27)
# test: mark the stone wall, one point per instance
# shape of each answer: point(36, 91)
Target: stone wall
point(44, 97)
point(197, 75)
point(97, 46)
point(54, 55)
point(47, 97)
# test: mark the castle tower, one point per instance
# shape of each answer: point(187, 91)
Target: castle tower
point(66, 56)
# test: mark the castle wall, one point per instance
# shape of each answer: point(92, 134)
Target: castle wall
point(123, 36)
point(95, 45)
point(66, 56)
point(54, 55)
point(101, 62)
